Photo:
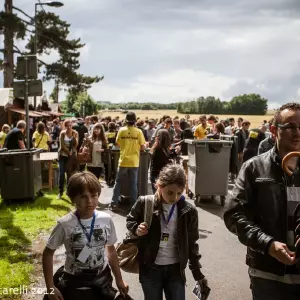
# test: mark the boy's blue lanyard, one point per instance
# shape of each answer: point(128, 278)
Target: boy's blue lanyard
point(89, 236)
point(169, 216)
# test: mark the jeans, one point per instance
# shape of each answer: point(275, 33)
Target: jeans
point(130, 176)
point(157, 279)
point(62, 171)
point(263, 289)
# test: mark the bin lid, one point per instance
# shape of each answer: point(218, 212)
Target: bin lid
point(21, 152)
point(227, 137)
point(207, 141)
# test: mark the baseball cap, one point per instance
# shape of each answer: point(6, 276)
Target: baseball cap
point(130, 117)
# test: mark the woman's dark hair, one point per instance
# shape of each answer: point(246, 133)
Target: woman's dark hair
point(40, 127)
point(172, 174)
point(220, 127)
point(163, 140)
point(112, 126)
point(102, 136)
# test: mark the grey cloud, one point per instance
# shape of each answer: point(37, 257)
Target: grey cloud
point(129, 39)
point(277, 90)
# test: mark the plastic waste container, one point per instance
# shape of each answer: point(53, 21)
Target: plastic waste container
point(20, 173)
point(208, 168)
point(234, 160)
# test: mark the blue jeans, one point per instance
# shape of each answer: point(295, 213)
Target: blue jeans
point(157, 279)
point(263, 289)
point(62, 171)
point(129, 175)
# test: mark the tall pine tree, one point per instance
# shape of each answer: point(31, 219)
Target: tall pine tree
point(53, 34)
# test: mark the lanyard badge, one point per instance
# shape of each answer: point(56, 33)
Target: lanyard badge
point(88, 235)
point(87, 250)
point(165, 234)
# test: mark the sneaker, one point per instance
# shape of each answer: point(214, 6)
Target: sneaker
point(59, 196)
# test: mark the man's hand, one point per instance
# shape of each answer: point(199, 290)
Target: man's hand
point(142, 229)
point(123, 287)
point(281, 252)
point(55, 294)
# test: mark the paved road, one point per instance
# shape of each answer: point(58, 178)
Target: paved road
point(223, 256)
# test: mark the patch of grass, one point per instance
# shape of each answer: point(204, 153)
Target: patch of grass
point(20, 224)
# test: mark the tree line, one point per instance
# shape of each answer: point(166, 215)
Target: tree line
point(247, 104)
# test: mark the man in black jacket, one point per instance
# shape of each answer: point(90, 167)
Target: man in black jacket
point(261, 213)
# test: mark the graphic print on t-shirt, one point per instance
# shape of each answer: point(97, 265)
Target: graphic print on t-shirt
point(78, 240)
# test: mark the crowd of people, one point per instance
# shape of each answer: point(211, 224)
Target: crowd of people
point(261, 211)
point(82, 143)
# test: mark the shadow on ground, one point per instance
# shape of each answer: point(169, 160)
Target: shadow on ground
point(14, 244)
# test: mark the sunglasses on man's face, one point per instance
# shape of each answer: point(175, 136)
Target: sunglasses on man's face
point(289, 126)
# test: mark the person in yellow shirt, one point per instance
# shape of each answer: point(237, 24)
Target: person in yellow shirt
point(3, 134)
point(202, 130)
point(131, 141)
point(41, 138)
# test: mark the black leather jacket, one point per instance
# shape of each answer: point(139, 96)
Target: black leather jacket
point(187, 233)
point(257, 211)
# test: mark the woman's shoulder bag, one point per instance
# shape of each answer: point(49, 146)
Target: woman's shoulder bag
point(127, 251)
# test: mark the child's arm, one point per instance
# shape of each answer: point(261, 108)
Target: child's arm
point(53, 292)
point(48, 268)
point(114, 264)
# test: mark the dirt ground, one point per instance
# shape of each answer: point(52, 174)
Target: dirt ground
point(255, 120)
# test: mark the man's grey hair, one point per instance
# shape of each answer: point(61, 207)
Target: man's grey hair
point(21, 124)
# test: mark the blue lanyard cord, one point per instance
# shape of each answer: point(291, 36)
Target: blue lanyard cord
point(169, 216)
point(89, 236)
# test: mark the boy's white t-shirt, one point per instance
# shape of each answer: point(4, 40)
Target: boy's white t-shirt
point(69, 233)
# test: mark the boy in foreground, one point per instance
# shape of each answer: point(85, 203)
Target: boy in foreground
point(89, 237)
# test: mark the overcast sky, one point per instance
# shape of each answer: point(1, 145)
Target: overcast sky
point(175, 50)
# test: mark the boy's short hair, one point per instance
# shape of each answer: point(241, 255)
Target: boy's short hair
point(82, 181)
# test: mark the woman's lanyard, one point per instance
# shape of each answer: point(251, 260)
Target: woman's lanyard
point(88, 235)
point(169, 216)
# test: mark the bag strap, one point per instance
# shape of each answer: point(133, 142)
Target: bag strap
point(40, 140)
point(148, 211)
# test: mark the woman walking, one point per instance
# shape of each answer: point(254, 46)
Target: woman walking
point(97, 144)
point(161, 155)
point(171, 241)
point(67, 154)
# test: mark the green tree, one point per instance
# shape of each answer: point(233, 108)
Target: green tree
point(251, 104)
point(53, 34)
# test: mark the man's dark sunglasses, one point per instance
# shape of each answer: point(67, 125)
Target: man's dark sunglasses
point(289, 126)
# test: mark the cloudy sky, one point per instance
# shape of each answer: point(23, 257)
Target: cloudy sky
point(175, 50)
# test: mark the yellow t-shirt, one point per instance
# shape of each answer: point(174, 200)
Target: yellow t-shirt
point(201, 132)
point(130, 140)
point(41, 141)
point(2, 138)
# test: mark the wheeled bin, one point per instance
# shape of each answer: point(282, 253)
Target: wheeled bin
point(234, 160)
point(20, 172)
point(208, 168)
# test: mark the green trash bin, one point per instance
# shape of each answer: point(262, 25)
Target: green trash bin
point(20, 172)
